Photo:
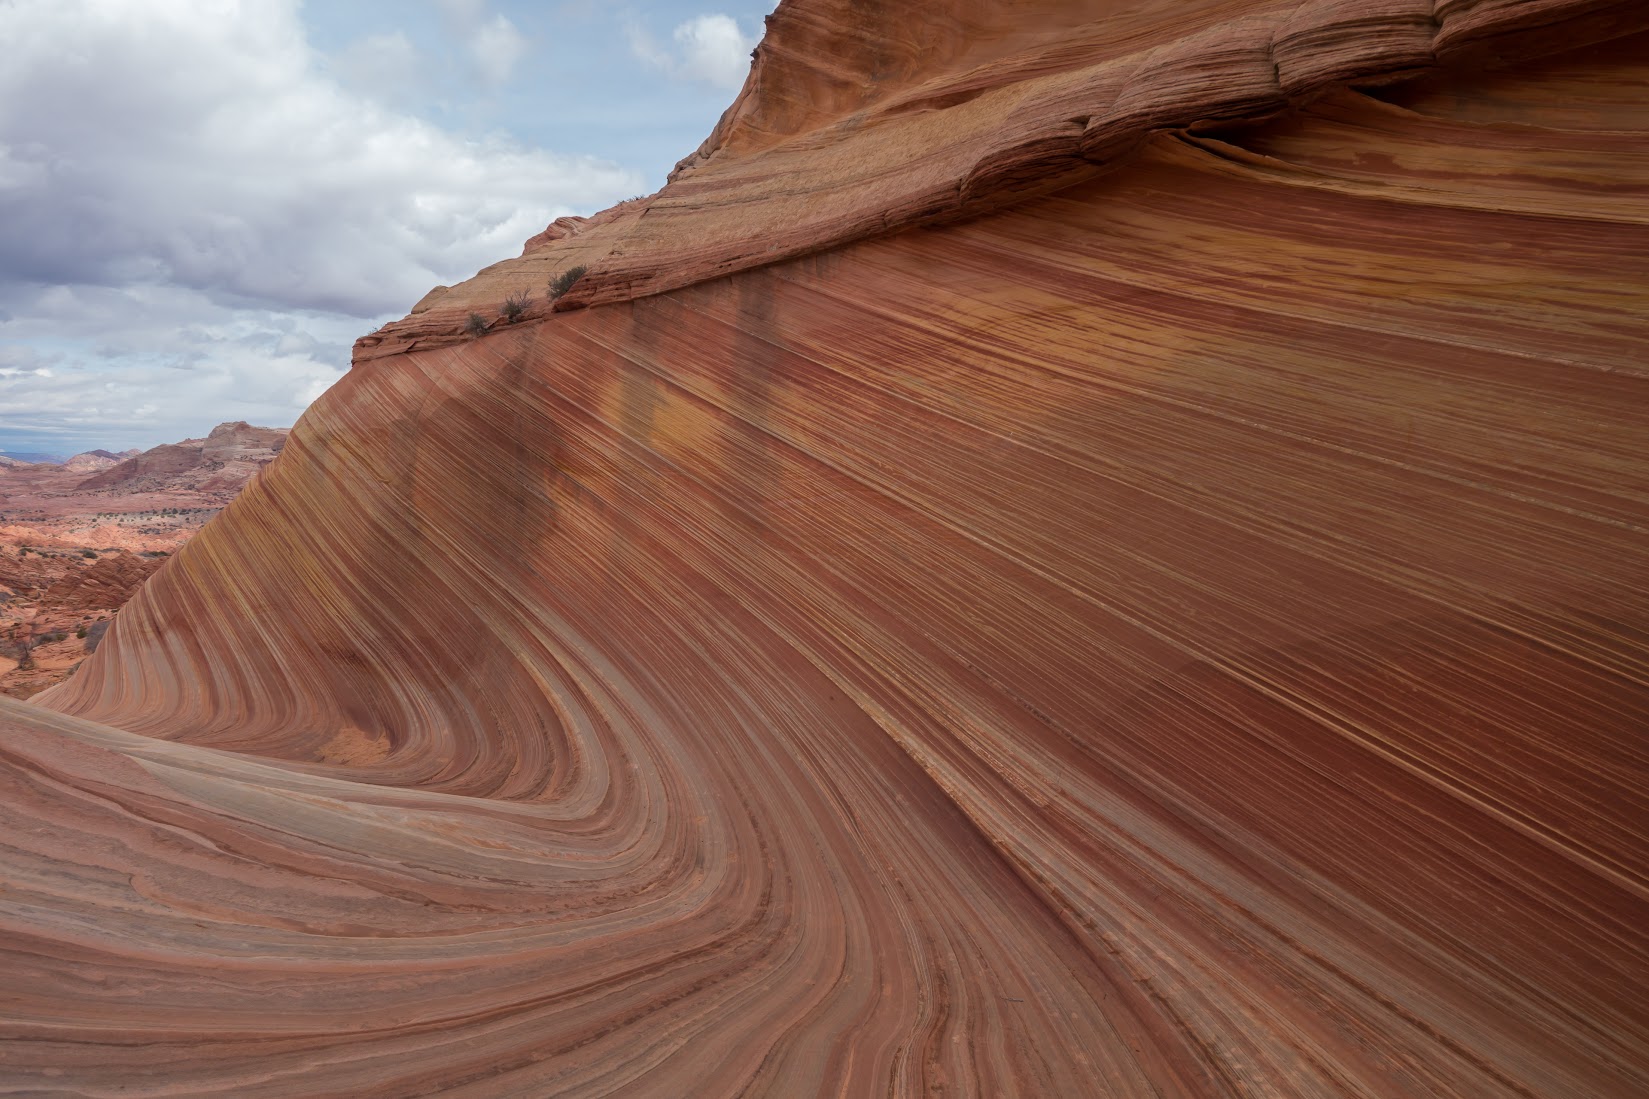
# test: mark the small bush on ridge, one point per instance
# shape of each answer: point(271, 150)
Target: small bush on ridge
point(515, 305)
point(564, 281)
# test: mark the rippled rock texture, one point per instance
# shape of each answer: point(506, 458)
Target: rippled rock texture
point(1183, 635)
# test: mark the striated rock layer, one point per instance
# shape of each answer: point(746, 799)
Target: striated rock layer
point(1183, 635)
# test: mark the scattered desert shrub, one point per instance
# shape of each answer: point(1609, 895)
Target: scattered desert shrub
point(476, 325)
point(515, 305)
point(90, 554)
point(81, 632)
point(564, 281)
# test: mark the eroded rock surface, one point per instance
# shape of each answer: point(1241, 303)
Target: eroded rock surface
point(107, 583)
point(1182, 634)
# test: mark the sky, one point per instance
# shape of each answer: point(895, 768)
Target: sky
point(204, 202)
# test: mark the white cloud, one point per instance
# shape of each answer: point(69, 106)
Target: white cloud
point(96, 366)
point(200, 145)
point(710, 49)
point(714, 50)
point(179, 180)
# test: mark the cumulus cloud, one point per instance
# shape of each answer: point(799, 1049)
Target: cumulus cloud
point(88, 366)
point(710, 49)
point(178, 180)
point(199, 145)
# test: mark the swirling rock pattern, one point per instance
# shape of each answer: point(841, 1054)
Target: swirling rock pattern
point(1180, 636)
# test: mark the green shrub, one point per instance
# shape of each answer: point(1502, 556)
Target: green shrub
point(515, 305)
point(476, 325)
point(564, 281)
point(89, 554)
point(81, 632)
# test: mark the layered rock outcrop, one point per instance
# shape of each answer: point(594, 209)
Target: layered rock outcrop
point(104, 585)
point(52, 608)
point(223, 461)
point(1180, 634)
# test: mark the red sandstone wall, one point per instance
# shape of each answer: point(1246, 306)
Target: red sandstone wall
point(1183, 636)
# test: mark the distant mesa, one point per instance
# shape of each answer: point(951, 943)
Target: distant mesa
point(93, 460)
point(223, 461)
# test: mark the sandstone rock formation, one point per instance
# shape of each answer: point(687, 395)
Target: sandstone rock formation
point(241, 442)
point(159, 463)
point(1179, 633)
point(108, 583)
point(53, 608)
point(224, 461)
point(49, 601)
